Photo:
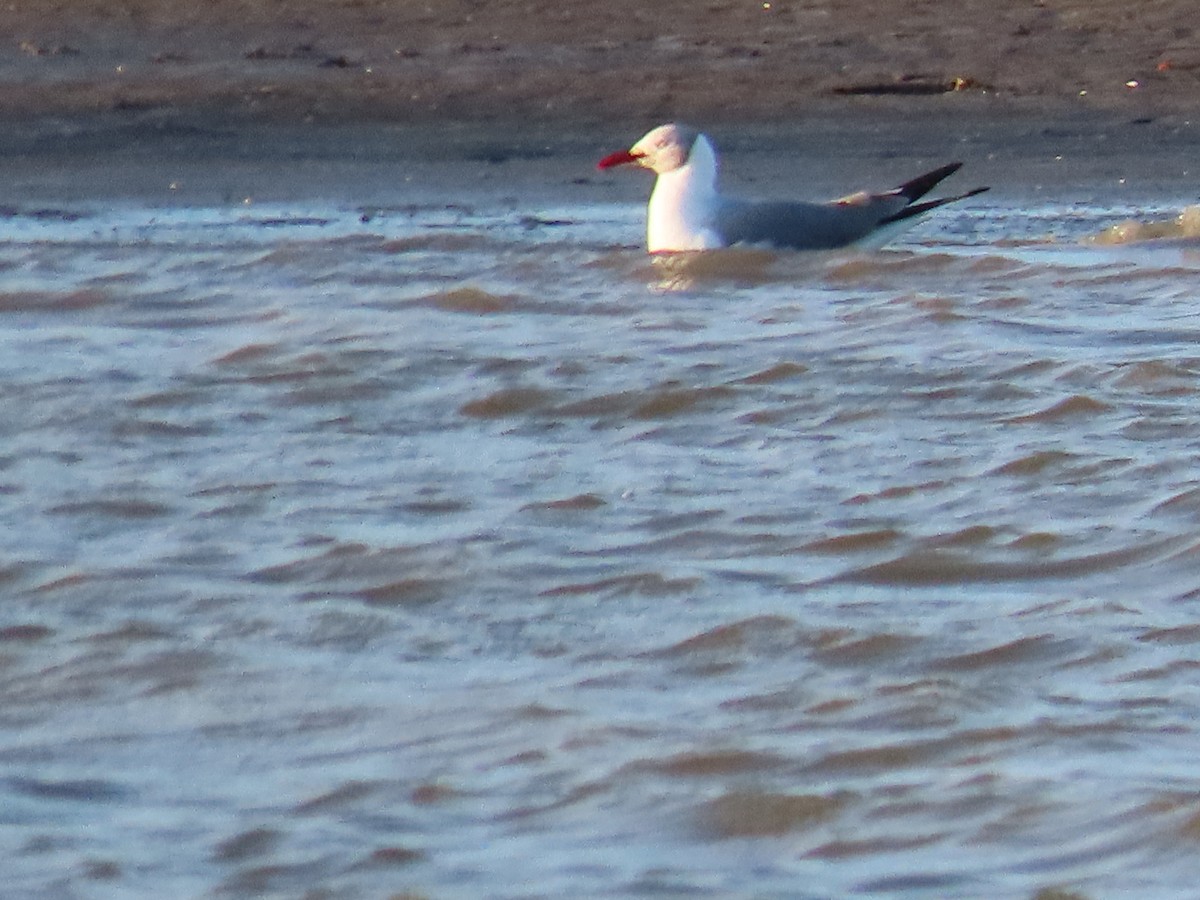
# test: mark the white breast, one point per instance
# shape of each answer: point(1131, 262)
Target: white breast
point(682, 211)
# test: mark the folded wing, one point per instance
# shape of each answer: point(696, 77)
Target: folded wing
point(840, 223)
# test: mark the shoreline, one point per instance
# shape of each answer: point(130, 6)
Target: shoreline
point(284, 97)
point(1086, 156)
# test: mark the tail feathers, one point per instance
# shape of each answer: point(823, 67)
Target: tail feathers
point(923, 184)
point(919, 209)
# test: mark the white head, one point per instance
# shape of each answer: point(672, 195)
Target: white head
point(662, 150)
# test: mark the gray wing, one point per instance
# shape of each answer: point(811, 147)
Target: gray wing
point(826, 226)
point(805, 226)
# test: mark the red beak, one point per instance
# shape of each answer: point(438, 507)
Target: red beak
point(620, 158)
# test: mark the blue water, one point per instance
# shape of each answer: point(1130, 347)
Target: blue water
point(464, 551)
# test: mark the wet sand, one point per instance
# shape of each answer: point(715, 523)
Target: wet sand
point(521, 60)
point(130, 94)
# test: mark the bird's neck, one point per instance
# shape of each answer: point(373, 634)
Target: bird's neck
point(683, 204)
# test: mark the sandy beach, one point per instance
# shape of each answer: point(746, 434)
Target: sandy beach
point(526, 77)
point(392, 102)
point(532, 60)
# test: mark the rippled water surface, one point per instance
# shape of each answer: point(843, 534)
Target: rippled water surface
point(461, 551)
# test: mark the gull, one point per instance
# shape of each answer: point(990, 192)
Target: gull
point(687, 213)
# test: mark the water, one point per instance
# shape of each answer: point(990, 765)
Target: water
point(431, 551)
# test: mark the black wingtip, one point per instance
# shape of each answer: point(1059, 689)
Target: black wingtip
point(917, 209)
point(923, 184)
